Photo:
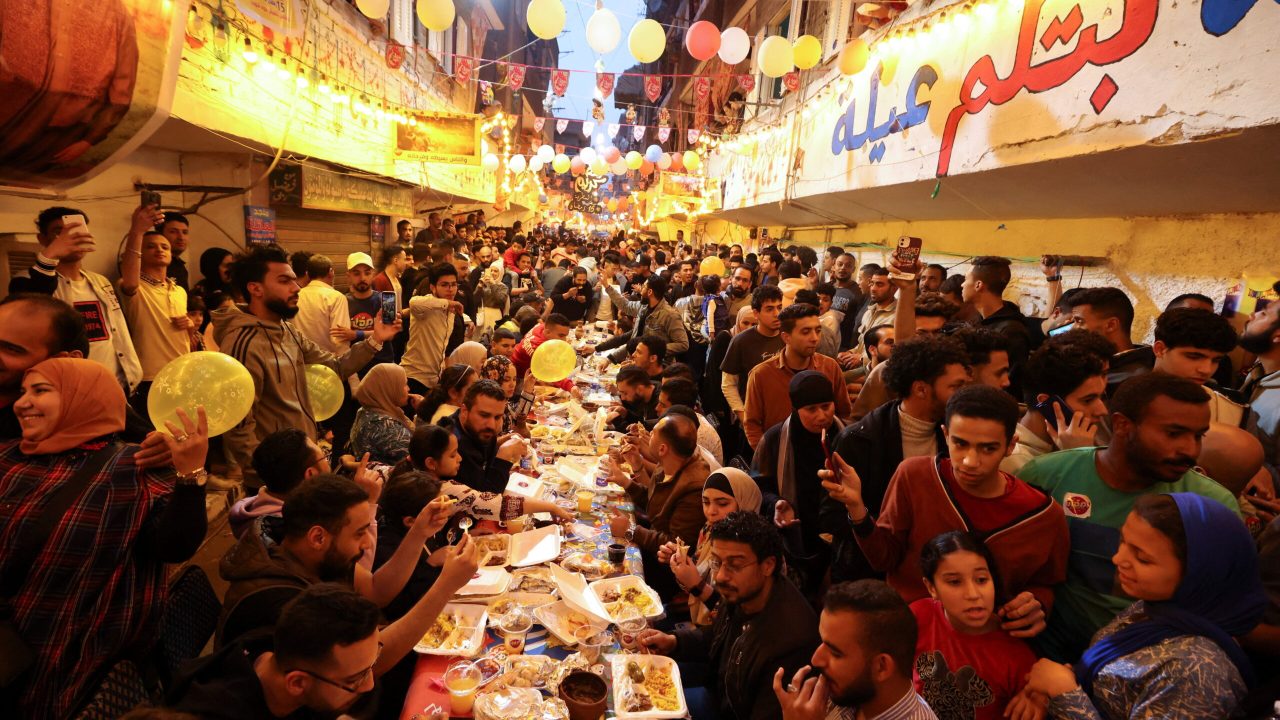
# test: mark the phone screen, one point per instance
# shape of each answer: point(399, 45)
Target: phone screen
point(1061, 329)
point(389, 308)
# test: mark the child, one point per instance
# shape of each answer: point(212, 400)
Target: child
point(966, 666)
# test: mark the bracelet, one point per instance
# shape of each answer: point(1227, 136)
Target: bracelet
point(137, 253)
point(1054, 278)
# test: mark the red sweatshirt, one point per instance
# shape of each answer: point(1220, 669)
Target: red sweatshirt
point(1030, 542)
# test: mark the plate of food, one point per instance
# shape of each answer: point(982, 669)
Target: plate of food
point(591, 567)
point(533, 580)
point(507, 602)
point(617, 593)
point(493, 549)
point(563, 621)
point(647, 686)
point(458, 630)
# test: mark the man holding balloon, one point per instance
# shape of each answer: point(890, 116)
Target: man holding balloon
point(276, 354)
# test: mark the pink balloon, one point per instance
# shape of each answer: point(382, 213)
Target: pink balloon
point(612, 154)
point(702, 40)
point(577, 166)
point(677, 162)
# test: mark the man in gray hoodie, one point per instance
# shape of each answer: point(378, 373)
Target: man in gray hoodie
point(275, 353)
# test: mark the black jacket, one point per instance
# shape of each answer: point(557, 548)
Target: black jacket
point(481, 468)
point(746, 651)
point(873, 446)
point(1009, 322)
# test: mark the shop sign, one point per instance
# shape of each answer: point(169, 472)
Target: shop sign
point(322, 190)
point(447, 138)
point(259, 225)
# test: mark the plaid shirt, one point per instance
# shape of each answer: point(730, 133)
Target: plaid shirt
point(95, 590)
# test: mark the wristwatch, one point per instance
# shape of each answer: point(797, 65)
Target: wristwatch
point(630, 534)
point(196, 477)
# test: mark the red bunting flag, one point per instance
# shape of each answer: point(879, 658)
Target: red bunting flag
point(604, 83)
point(747, 83)
point(538, 123)
point(652, 87)
point(702, 88)
point(559, 81)
point(791, 81)
point(515, 76)
point(559, 148)
point(462, 70)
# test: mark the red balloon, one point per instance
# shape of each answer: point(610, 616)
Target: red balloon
point(646, 168)
point(677, 162)
point(702, 40)
point(576, 166)
point(612, 154)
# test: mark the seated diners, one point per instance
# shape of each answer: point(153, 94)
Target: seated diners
point(502, 371)
point(1192, 566)
point(282, 460)
point(381, 427)
point(745, 644)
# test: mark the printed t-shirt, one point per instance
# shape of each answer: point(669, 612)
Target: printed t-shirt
point(97, 325)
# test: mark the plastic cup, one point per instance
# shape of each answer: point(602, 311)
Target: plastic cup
point(516, 524)
point(631, 622)
point(462, 679)
point(585, 498)
point(592, 642)
point(514, 627)
point(617, 553)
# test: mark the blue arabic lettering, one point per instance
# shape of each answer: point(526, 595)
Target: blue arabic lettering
point(843, 136)
point(1219, 17)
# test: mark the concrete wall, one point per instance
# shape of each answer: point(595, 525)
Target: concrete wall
point(1152, 259)
point(110, 198)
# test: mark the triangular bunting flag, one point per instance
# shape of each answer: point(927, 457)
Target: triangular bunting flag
point(652, 87)
point(613, 130)
point(562, 125)
point(462, 70)
point(702, 88)
point(637, 133)
point(791, 81)
point(604, 83)
point(538, 123)
point(515, 76)
point(693, 136)
point(747, 83)
point(663, 134)
point(559, 81)
point(588, 127)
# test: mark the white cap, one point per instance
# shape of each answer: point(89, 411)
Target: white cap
point(359, 258)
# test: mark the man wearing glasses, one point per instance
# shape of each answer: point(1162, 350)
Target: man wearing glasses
point(324, 654)
point(765, 623)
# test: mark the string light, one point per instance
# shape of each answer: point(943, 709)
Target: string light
point(250, 56)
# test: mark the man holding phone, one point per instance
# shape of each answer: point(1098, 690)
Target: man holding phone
point(1064, 386)
point(65, 239)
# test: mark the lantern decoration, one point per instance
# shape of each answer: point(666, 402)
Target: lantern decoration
point(735, 44)
point(854, 56)
point(545, 18)
point(702, 40)
point(603, 31)
point(647, 40)
point(436, 15)
point(775, 57)
point(807, 51)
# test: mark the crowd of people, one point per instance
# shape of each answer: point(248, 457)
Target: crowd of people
point(900, 496)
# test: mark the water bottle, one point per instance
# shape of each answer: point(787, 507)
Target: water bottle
point(602, 475)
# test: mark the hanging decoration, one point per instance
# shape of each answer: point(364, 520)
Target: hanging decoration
point(515, 76)
point(634, 159)
point(663, 134)
point(693, 136)
point(702, 40)
point(807, 51)
point(585, 199)
point(647, 40)
point(735, 44)
point(604, 84)
point(613, 130)
point(653, 153)
point(775, 57)
point(747, 83)
point(462, 70)
point(436, 15)
point(597, 109)
point(692, 161)
point(854, 56)
point(394, 54)
point(603, 31)
point(546, 153)
point(538, 124)
point(588, 127)
point(637, 133)
point(545, 18)
point(562, 125)
point(374, 9)
point(702, 88)
point(561, 163)
point(652, 87)
point(630, 115)
point(559, 82)
point(791, 81)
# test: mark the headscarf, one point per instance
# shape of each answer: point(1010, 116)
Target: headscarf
point(742, 313)
point(1220, 595)
point(468, 353)
point(380, 391)
point(210, 260)
point(734, 482)
point(495, 369)
point(93, 404)
point(810, 387)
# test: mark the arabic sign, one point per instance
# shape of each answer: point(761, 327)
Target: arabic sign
point(448, 138)
point(318, 189)
point(259, 225)
point(585, 199)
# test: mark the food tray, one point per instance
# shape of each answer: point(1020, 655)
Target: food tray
point(524, 486)
point(530, 601)
point(464, 616)
point(534, 547)
point(556, 619)
point(540, 573)
point(494, 549)
point(587, 565)
point(622, 682)
point(600, 587)
point(487, 581)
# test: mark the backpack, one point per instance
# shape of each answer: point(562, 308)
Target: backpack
point(721, 318)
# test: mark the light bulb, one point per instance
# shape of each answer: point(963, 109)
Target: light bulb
point(301, 79)
point(250, 56)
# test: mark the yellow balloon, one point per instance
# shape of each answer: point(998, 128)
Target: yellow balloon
point(546, 19)
point(775, 57)
point(854, 56)
point(711, 266)
point(647, 40)
point(217, 381)
point(324, 387)
point(561, 163)
point(634, 160)
point(553, 361)
point(436, 14)
point(692, 160)
point(888, 68)
point(808, 51)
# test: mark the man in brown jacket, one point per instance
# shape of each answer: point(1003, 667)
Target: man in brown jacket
point(672, 499)
point(767, 400)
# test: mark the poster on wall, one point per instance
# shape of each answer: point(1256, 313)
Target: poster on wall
point(84, 83)
point(259, 225)
point(448, 138)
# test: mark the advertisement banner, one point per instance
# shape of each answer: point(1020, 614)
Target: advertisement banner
point(449, 138)
point(311, 187)
point(259, 225)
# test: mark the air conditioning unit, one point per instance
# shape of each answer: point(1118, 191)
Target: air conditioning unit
point(17, 255)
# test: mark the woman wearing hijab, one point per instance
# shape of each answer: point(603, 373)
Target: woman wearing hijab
point(1192, 565)
point(381, 427)
point(493, 298)
point(726, 490)
point(468, 353)
point(90, 592)
point(445, 399)
point(215, 285)
point(788, 460)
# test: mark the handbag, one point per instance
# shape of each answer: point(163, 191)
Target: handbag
point(15, 655)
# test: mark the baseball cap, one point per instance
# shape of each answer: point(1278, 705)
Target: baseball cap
point(359, 258)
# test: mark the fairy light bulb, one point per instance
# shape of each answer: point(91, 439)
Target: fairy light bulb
point(250, 55)
point(301, 79)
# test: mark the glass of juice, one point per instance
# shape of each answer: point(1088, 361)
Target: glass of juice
point(585, 498)
point(462, 679)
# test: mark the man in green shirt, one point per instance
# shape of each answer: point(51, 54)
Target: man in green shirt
point(1157, 421)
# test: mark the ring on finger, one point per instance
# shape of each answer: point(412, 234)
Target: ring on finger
point(181, 438)
point(792, 688)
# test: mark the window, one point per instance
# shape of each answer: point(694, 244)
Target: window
point(839, 28)
point(402, 22)
point(777, 88)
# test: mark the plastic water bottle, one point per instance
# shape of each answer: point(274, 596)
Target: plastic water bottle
point(602, 475)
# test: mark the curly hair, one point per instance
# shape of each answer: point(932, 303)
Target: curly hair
point(980, 342)
point(1087, 340)
point(751, 529)
point(1055, 369)
point(1192, 327)
point(922, 358)
point(932, 304)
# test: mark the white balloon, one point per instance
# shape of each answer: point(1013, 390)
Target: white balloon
point(603, 31)
point(619, 167)
point(489, 162)
point(536, 163)
point(546, 153)
point(376, 9)
point(516, 164)
point(665, 161)
point(734, 45)
point(588, 155)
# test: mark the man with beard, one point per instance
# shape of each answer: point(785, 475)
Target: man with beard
point(881, 305)
point(326, 527)
point(863, 666)
point(486, 458)
point(363, 305)
point(932, 277)
point(739, 294)
point(1262, 386)
point(1157, 424)
point(275, 353)
point(744, 645)
point(654, 316)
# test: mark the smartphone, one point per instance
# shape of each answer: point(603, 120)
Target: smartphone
point(389, 309)
point(907, 254)
point(77, 219)
point(1046, 410)
point(1065, 328)
point(150, 197)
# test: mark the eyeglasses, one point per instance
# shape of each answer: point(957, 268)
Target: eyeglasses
point(353, 688)
point(733, 567)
